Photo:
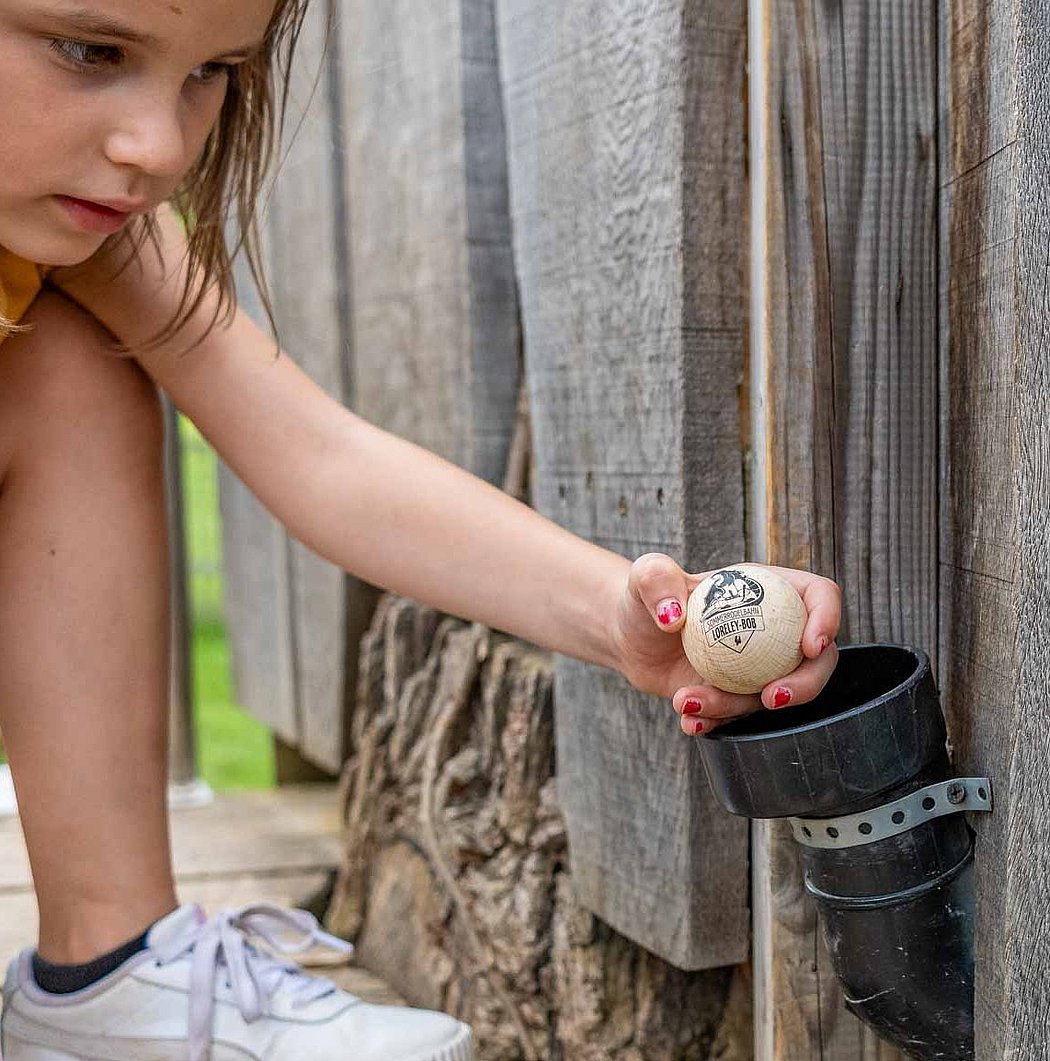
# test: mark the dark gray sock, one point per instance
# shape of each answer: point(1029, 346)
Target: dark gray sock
point(64, 979)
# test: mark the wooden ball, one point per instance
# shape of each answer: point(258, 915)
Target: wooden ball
point(743, 628)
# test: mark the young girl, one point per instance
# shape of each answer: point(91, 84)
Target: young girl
point(113, 110)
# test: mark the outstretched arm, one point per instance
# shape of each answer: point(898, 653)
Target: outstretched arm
point(403, 518)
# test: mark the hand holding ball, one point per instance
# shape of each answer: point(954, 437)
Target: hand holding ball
point(743, 628)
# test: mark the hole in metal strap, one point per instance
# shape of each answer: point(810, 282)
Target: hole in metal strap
point(891, 819)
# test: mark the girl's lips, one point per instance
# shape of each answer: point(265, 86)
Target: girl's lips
point(92, 216)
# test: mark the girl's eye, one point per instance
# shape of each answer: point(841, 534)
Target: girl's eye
point(208, 72)
point(82, 54)
point(100, 56)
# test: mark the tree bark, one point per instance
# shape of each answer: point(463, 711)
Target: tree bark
point(455, 882)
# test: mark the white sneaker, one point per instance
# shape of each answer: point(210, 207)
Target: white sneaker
point(201, 992)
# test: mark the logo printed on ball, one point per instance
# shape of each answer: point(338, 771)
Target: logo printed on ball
point(743, 628)
point(732, 610)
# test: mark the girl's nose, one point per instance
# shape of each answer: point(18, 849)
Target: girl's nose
point(149, 136)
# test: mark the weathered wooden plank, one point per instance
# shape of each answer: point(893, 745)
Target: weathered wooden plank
point(979, 554)
point(256, 579)
point(435, 330)
point(424, 150)
point(257, 607)
point(305, 254)
point(996, 230)
point(306, 266)
point(293, 830)
point(625, 140)
point(846, 374)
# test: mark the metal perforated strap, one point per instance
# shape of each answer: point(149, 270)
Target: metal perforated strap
point(891, 819)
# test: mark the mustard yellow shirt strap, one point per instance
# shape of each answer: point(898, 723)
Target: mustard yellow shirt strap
point(20, 281)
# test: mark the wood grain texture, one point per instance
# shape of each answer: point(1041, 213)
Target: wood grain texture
point(257, 586)
point(435, 327)
point(295, 618)
point(305, 270)
point(996, 230)
point(850, 348)
point(257, 608)
point(625, 140)
point(1026, 964)
point(313, 304)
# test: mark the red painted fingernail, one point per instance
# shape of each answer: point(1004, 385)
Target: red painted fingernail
point(668, 611)
point(781, 697)
point(693, 726)
point(692, 707)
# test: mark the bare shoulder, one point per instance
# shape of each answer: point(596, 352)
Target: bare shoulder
point(58, 335)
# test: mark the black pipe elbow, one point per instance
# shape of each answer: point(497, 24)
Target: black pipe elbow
point(864, 775)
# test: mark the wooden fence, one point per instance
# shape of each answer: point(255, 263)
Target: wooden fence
point(778, 277)
point(844, 393)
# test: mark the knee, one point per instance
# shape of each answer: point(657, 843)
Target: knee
point(63, 376)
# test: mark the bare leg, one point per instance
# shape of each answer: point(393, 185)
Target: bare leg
point(83, 630)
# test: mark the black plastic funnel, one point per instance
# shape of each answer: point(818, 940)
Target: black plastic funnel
point(864, 771)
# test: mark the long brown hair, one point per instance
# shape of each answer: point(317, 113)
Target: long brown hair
point(226, 181)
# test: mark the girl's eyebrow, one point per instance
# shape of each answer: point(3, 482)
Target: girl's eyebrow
point(88, 21)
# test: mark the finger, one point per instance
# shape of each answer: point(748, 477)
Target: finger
point(692, 726)
point(709, 702)
point(695, 580)
point(803, 683)
point(823, 600)
point(659, 584)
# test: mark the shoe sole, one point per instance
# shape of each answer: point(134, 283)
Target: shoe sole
point(460, 1049)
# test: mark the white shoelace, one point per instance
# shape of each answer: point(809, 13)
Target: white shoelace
point(253, 976)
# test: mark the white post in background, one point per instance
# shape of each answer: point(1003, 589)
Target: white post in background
point(7, 792)
point(184, 787)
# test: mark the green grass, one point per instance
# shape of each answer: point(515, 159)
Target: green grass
point(233, 749)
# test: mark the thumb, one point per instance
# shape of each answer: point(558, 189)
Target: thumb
point(662, 587)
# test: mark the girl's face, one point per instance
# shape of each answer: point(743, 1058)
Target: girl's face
point(107, 102)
